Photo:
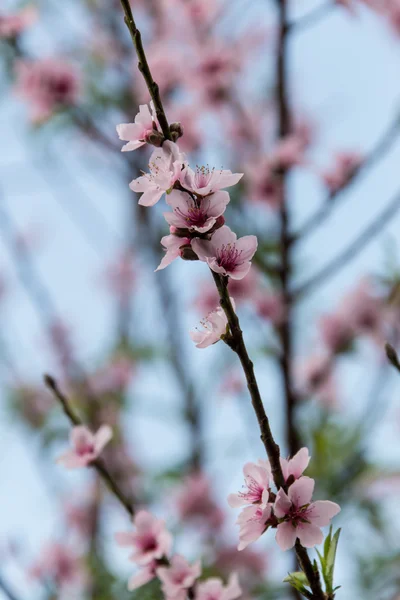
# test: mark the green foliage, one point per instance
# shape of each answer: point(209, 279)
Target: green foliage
point(327, 561)
point(299, 581)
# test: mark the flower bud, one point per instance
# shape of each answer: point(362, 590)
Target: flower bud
point(155, 138)
point(187, 253)
point(176, 131)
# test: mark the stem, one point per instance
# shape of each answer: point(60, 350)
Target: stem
point(98, 464)
point(6, 590)
point(144, 68)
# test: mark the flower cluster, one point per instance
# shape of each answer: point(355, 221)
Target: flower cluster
point(151, 543)
point(290, 510)
point(196, 198)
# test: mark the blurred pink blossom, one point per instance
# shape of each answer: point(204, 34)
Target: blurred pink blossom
point(178, 577)
point(14, 24)
point(86, 446)
point(346, 164)
point(58, 563)
point(214, 589)
point(194, 502)
point(121, 277)
point(150, 541)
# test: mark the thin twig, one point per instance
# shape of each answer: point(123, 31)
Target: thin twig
point(351, 251)
point(6, 590)
point(98, 464)
point(381, 147)
point(313, 17)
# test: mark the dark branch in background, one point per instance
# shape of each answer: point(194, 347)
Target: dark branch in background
point(6, 590)
point(392, 356)
point(313, 17)
point(145, 70)
point(352, 250)
point(382, 146)
point(97, 464)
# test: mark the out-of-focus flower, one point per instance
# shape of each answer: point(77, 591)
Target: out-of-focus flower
point(346, 164)
point(173, 245)
point(48, 85)
point(136, 134)
point(86, 446)
point(179, 576)
point(195, 215)
point(316, 379)
point(57, 563)
point(120, 276)
point(166, 165)
point(215, 325)
point(151, 540)
point(13, 25)
point(301, 518)
point(113, 377)
point(226, 254)
point(146, 574)
point(214, 589)
point(195, 503)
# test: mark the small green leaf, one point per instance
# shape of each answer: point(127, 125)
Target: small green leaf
point(299, 581)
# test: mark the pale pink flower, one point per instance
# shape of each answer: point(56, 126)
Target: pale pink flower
point(226, 254)
point(173, 245)
point(196, 215)
point(346, 164)
point(113, 377)
point(215, 72)
point(253, 521)
point(316, 378)
point(337, 331)
point(301, 518)
point(203, 182)
point(120, 276)
point(288, 152)
point(249, 564)
point(257, 480)
point(194, 502)
point(263, 183)
point(151, 540)
point(214, 589)
point(270, 306)
point(215, 325)
point(57, 563)
point(295, 466)
point(146, 574)
point(86, 446)
point(364, 308)
point(178, 576)
point(48, 85)
point(12, 25)
point(166, 167)
point(136, 133)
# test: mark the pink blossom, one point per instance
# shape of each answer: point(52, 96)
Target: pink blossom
point(179, 576)
point(194, 502)
point(215, 72)
point(203, 182)
point(257, 480)
point(346, 164)
point(301, 518)
point(226, 254)
point(288, 152)
point(264, 185)
point(316, 378)
point(151, 540)
point(270, 306)
point(48, 84)
point(337, 331)
point(195, 215)
point(143, 576)
point(173, 245)
point(12, 25)
point(136, 133)
point(215, 325)
point(113, 377)
point(252, 564)
point(121, 276)
point(364, 308)
point(253, 521)
point(166, 166)
point(57, 563)
point(86, 446)
point(295, 466)
point(214, 589)
point(393, 14)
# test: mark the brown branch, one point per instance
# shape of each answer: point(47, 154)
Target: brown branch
point(381, 147)
point(349, 253)
point(144, 68)
point(98, 464)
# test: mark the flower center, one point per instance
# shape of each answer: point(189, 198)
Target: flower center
point(228, 256)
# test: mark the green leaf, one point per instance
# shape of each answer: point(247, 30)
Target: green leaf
point(299, 581)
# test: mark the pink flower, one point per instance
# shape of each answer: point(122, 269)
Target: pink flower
point(337, 331)
point(178, 576)
point(166, 166)
point(203, 182)
point(288, 152)
point(317, 379)
point(226, 254)
point(151, 540)
point(195, 215)
point(146, 574)
point(86, 446)
point(215, 325)
point(48, 84)
point(301, 518)
point(346, 164)
point(57, 563)
point(195, 503)
point(257, 480)
point(348, 5)
point(13, 25)
point(295, 466)
point(263, 183)
point(173, 245)
point(253, 521)
point(136, 133)
point(214, 589)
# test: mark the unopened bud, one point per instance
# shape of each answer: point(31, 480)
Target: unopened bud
point(176, 131)
point(187, 253)
point(155, 138)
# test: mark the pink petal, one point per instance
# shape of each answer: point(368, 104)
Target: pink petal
point(150, 197)
point(202, 248)
point(102, 437)
point(240, 271)
point(132, 146)
point(322, 511)
point(301, 491)
point(309, 535)
point(141, 578)
point(286, 535)
point(282, 504)
point(299, 463)
point(248, 246)
point(124, 538)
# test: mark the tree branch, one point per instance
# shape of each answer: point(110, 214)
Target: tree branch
point(351, 251)
point(6, 590)
point(98, 464)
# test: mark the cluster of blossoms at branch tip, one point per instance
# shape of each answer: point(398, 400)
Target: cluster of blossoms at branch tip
point(196, 199)
point(86, 446)
point(291, 512)
point(151, 543)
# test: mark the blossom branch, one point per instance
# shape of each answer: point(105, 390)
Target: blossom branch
point(380, 149)
point(52, 385)
point(145, 70)
point(349, 253)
